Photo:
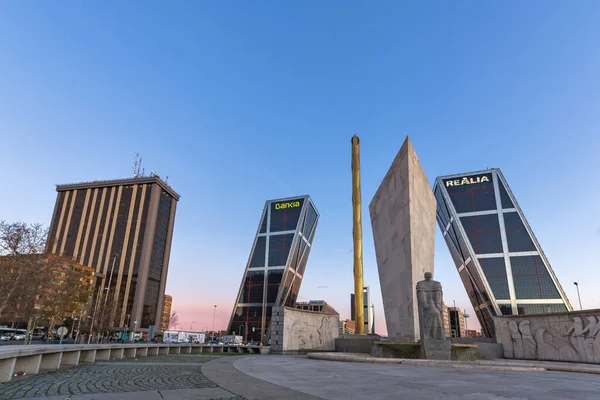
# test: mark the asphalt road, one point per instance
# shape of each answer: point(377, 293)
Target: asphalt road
point(18, 342)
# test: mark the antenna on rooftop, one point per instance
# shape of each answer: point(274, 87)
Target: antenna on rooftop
point(137, 165)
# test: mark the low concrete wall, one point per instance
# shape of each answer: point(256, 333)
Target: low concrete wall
point(472, 340)
point(296, 331)
point(102, 354)
point(570, 336)
point(396, 350)
point(356, 343)
point(130, 352)
point(142, 352)
point(489, 351)
point(117, 353)
point(70, 358)
point(50, 361)
point(88, 356)
point(32, 359)
point(487, 348)
point(29, 364)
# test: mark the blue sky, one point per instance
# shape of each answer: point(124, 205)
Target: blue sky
point(240, 102)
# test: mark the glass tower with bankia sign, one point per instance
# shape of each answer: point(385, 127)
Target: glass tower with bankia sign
point(275, 267)
point(499, 260)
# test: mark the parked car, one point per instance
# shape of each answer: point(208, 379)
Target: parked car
point(4, 337)
point(18, 336)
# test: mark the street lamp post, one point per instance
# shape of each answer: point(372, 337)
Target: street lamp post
point(133, 332)
point(79, 323)
point(192, 325)
point(91, 332)
point(214, 314)
point(109, 281)
point(578, 296)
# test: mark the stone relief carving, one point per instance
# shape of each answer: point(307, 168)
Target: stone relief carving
point(517, 340)
point(553, 340)
point(316, 332)
point(592, 339)
point(505, 339)
point(529, 344)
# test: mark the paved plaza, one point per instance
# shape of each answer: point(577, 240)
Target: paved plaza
point(363, 381)
point(218, 377)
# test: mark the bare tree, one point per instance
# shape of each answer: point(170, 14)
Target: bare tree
point(68, 290)
point(37, 287)
point(19, 274)
point(20, 279)
point(173, 321)
point(21, 238)
point(104, 314)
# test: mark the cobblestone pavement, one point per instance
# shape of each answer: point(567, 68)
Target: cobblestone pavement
point(171, 359)
point(128, 375)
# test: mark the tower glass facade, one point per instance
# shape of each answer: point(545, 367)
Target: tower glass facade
point(368, 310)
point(275, 267)
point(498, 258)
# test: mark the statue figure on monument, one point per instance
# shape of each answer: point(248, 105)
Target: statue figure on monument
point(430, 296)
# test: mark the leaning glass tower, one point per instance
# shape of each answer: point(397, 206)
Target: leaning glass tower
point(499, 260)
point(275, 267)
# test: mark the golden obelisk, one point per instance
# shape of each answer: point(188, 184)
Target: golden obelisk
point(359, 309)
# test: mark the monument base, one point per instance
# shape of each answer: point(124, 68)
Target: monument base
point(436, 349)
point(356, 343)
point(396, 349)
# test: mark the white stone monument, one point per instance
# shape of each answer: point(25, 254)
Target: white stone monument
point(403, 220)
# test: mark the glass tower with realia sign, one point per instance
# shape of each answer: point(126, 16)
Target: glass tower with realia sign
point(275, 267)
point(499, 260)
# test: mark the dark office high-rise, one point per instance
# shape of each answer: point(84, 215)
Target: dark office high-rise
point(499, 260)
point(276, 265)
point(122, 229)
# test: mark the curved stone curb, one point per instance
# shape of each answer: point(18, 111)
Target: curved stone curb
point(355, 357)
point(222, 372)
point(501, 365)
point(550, 366)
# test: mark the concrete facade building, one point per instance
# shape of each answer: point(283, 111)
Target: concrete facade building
point(57, 287)
point(403, 220)
point(446, 318)
point(275, 267)
point(122, 229)
point(368, 310)
point(166, 313)
point(346, 327)
point(457, 322)
point(317, 306)
point(473, 333)
point(499, 260)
